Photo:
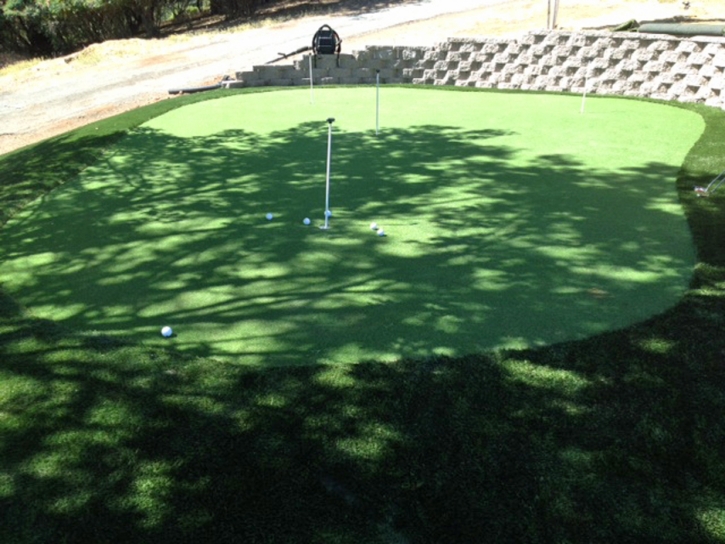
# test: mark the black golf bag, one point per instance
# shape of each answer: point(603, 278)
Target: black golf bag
point(326, 42)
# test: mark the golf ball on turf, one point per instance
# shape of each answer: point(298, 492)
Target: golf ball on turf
point(306, 220)
point(166, 332)
point(328, 213)
point(374, 226)
point(270, 216)
point(381, 232)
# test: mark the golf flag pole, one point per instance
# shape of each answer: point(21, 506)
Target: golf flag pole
point(312, 92)
point(327, 177)
point(377, 102)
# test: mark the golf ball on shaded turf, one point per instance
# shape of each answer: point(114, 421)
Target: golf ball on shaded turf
point(166, 332)
point(270, 216)
point(328, 213)
point(381, 232)
point(306, 220)
point(374, 226)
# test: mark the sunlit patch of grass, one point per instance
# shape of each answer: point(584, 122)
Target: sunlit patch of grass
point(557, 380)
point(713, 520)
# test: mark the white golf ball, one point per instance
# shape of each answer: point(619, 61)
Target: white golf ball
point(306, 220)
point(374, 226)
point(270, 216)
point(381, 232)
point(328, 213)
point(166, 331)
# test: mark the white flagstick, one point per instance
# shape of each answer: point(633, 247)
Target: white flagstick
point(584, 95)
point(327, 179)
point(312, 92)
point(377, 102)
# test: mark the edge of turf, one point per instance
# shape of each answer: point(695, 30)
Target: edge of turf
point(38, 169)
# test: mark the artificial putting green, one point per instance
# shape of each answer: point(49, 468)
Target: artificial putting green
point(512, 220)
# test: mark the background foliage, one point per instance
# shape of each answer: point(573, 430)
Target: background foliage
point(50, 27)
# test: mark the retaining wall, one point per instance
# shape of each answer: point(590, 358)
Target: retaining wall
point(643, 65)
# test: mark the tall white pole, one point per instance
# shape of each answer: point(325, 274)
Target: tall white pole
point(548, 15)
point(327, 179)
point(312, 92)
point(377, 102)
point(584, 94)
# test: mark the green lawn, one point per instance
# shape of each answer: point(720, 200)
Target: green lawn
point(501, 232)
point(617, 437)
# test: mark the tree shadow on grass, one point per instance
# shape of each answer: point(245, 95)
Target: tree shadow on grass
point(613, 439)
point(482, 252)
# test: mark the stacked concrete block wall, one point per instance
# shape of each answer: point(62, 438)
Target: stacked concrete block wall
point(643, 65)
point(360, 67)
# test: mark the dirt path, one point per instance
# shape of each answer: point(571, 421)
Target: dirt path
point(110, 78)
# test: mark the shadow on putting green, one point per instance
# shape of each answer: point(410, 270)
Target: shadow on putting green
point(488, 245)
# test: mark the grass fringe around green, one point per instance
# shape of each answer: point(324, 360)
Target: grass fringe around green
point(617, 438)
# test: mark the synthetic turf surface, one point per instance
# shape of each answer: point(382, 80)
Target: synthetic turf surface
point(512, 219)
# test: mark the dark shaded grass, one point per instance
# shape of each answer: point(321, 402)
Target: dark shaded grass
point(618, 438)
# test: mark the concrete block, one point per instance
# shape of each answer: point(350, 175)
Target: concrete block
point(413, 54)
point(687, 46)
point(713, 49)
point(364, 73)
point(348, 61)
point(265, 72)
point(319, 73)
point(383, 53)
point(282, 82)
point(717, 83)
point(698, 59)
point(363, 56)
point(658, 46)
point(413, 73)
point(246, 76)
point(695, 80)
point(530, 38)
point(715, 102)
point(709, 71)
point(502, 58)
point(387, 75)
point(434, 55)
point(471, 47)
point(340, 73)
point(324, 61)
point(628, 65)
point(465, 66)
point(643, 55)
point(491, 48)
point(655, 66)
point(719, 59)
